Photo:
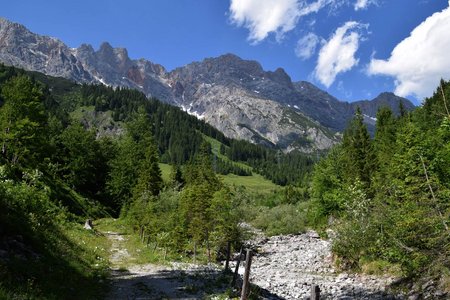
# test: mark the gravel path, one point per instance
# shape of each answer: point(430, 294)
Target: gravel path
point(150, 281)
point(288, 265)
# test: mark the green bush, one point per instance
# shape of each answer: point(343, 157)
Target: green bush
point(282, 219)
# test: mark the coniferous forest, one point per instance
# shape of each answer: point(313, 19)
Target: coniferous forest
point(389, 195)
point(71, 152)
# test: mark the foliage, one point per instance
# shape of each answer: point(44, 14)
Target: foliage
point(196, 211)
point(22, 120)
point(43, 245)
point(390, 194)
point(281, 219)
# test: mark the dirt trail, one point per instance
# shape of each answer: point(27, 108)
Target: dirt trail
point(150, 281)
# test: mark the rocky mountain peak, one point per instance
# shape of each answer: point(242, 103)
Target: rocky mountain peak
point(233, 62)
point(233, 94)
point(5, 24)
point(370, 107)
point(280, 76)
point(114, 57)
point(105, 49)
point(86, 48)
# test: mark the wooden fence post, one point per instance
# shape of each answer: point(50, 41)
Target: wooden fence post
point(315, 292)
point(227, 262)
point(236, 269)
point(246, 284)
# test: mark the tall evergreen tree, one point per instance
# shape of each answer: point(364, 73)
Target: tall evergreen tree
point(360, 159)
point(196, 198)
point(150, 180)
point(384, 142)
point(22, 121)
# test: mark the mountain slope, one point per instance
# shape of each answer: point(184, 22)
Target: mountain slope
point(236, 96)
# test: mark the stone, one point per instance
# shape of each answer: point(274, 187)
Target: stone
point(88, 224)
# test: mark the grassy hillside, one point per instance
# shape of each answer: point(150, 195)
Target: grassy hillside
point(255, 184)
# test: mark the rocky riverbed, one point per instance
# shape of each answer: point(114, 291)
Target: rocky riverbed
point(287, 266)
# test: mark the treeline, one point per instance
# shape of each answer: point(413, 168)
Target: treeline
point(178, 136)
point(281, 168)
point(390, 194)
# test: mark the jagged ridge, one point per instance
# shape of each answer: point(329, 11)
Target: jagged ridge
point(236, 96)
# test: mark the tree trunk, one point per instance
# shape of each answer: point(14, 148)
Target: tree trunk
point(195, 252)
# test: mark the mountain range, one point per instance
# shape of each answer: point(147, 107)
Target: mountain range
point(234, 95)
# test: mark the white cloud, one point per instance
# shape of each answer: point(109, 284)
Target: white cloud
point(262, 17)
point(306, 46)
point(363, 4)
point(338, 53)
point(309, 8)
point(419, 61)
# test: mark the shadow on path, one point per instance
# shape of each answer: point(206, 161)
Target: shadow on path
point(153, 282)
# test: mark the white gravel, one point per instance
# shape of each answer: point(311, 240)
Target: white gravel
point(287, 266)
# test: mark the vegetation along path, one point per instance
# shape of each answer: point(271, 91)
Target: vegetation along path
point(152, 281)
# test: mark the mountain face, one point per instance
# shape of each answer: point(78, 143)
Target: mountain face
point(236, 96)
point(370, 107)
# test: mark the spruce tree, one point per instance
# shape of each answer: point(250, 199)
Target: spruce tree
point(22, 121)
point(357, 146)
point(150, 180)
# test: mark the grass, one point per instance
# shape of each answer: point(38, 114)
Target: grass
point(380, 267)
point(143, 253)
point(70, 263)
point(81, 112)
point(215, 149)
point(255, 184)
point(140, 253)
point(166, 170)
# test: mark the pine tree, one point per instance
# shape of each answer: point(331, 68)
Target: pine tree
point(22, 121)
point(150, 180)
point(224, 211)
point(176, 177)
point(384, 143)
point(196, 198)
point(357, 146)
point(123, 173)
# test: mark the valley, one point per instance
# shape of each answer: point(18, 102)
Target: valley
point(176, 167)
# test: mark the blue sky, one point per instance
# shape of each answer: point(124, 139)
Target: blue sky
point(354, 49)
